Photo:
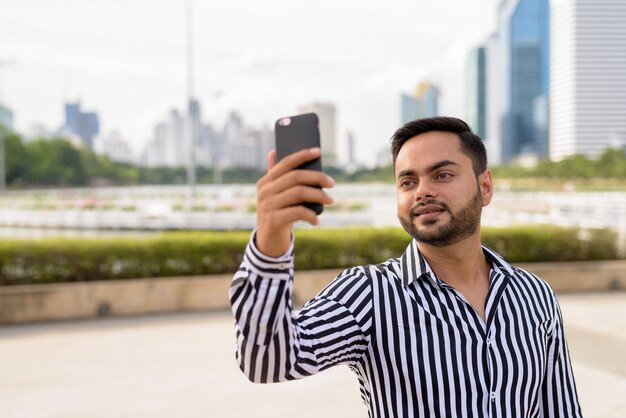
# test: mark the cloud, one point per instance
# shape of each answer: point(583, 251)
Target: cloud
point(255, 62)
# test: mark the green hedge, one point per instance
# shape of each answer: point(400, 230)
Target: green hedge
point(87, 259)
point(327, 248)
point(201, 253)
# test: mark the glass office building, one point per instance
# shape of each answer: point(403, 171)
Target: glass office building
point(525, 124)
point(424, 104)
point(409, 107)
point(428, 96)
point(85, 125)
point(476, 91)
point(6, 117)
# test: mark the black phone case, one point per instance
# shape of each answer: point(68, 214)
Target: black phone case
point(301, 132)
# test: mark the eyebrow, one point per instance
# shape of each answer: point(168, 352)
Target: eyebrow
point(430, 169)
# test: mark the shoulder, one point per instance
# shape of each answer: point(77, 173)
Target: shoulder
point(524, 281)
point(389, 268)
point(360, 278)
point(529, 277)
point(388, 271)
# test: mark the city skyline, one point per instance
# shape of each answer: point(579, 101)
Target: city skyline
point(126, 61)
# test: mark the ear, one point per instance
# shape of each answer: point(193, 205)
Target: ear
point(485, 182)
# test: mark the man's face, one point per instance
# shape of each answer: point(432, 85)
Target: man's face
point(439, 198)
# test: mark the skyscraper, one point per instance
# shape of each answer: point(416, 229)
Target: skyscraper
point(6, 117)
point(588, 91)
point(423, 103)
point(518, 80)
point(476, 90)
point(530, 79)
point(328, 129)
point(167, 147)
point(351, 149)
point(85, 125)
point(496, 96)
point(428, 96)
point(114, 146)
point(409, 106)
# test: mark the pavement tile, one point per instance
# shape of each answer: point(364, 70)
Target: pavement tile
point(183, 366)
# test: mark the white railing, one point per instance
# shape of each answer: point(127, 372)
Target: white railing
point(162, 208)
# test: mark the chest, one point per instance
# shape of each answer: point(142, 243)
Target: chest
point(431, 341)
point(475, 296)
point(427, 312)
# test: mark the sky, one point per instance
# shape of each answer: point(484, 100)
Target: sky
point(126, 60)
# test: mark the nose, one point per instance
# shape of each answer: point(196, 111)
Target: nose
point(424, 190)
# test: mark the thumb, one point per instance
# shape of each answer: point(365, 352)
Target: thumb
point(271, 159)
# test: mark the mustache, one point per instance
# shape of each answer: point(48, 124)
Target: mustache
point(433, 202)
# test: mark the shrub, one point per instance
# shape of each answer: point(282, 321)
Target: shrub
point(548, 243)
point(201, 253)
point(87, 259)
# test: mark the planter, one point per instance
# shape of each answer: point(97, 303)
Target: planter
point(35, 303)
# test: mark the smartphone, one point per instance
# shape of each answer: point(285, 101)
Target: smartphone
point(295, 133)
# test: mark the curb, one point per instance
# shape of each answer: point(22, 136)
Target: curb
point(65, 301)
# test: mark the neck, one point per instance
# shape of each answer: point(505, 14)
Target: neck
point(463, 261)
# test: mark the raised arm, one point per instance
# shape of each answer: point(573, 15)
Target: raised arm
point(275, 343)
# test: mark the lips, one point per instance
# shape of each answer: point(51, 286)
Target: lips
point(428, 209)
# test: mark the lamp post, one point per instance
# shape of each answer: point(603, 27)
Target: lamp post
point(193, 110)
point(3, 63)
point(192, 118)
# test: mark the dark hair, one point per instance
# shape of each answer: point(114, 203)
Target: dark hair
point(471, 144)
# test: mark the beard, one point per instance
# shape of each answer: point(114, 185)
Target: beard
point(462, 224)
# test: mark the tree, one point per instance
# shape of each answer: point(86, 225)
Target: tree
point(15, 159)
point(55, 163)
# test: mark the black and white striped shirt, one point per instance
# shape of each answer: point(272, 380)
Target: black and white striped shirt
point(418, 348)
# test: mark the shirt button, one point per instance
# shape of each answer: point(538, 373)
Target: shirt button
point(493, 396)
point(488, 342)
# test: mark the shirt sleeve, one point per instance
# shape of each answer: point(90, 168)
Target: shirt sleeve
point(559, 395)
point(277, 343)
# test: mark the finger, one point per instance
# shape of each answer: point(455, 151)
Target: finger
point(297, 213)
point(296, 196)
point(279, 219)
point(271, 159)
point(294, 178)
point(293, 161)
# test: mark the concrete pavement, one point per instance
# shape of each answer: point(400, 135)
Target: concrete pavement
point(183, 366)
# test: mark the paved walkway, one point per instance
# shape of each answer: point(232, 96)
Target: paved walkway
point(183, 366)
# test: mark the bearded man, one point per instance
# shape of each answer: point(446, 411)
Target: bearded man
point(449, 329)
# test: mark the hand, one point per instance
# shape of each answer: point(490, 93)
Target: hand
point(279, 194)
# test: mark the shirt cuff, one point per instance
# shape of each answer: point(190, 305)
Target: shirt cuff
point(260, 262)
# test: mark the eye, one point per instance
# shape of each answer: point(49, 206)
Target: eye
point(444, 175)
point(406, 183)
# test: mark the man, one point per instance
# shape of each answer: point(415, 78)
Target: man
point(449, 329)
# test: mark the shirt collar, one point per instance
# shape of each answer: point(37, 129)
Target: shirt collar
point(413, 265)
